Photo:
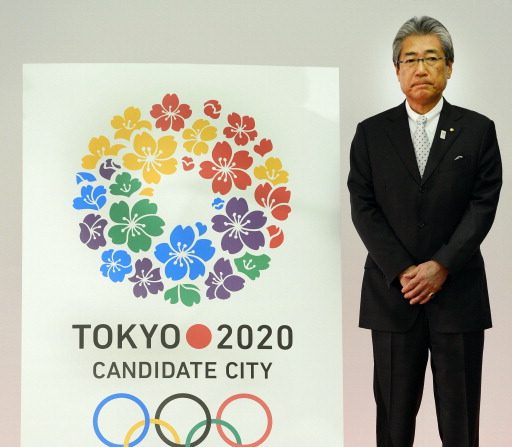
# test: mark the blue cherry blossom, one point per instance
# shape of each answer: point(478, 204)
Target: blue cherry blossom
point(218, 203)
point(84, 177)
point(117, 264)
point(184, 256)
point(90, 198)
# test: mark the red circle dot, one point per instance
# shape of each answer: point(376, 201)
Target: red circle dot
point(199, 336)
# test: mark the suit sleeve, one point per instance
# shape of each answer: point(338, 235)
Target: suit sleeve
point(382, 244)
point(479, 215)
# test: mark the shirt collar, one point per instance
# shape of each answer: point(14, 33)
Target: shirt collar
point(430, 114)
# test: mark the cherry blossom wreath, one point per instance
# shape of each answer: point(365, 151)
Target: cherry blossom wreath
point(120, 218)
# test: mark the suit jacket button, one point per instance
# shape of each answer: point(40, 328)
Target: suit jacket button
point(421, 225)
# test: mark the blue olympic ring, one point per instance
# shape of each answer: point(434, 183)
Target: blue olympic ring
point(120, 396)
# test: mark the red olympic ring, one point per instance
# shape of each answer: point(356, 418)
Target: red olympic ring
point(255, 399)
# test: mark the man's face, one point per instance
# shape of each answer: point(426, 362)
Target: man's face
point(422, 84)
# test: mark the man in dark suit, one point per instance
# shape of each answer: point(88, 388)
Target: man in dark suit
point(424, 185)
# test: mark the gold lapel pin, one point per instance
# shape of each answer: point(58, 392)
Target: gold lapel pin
point(452, 129)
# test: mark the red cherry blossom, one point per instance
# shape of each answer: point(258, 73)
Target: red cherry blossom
point(276, 236)
point(212, 108)
point(187, 163)
point(264, 147)
point(276, 200)
point(227, 168)
point(170, 113)
point(241, 128)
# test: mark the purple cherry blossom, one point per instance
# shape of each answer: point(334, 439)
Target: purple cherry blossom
point(91, 231)
point(221, 282)
point(108, 167)
point(240, 226)
point(146, 279)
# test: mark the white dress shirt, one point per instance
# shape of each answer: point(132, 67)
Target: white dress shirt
point(432, 119)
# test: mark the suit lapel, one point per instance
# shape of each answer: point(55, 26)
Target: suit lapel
point(448, 128)
point(400, 135)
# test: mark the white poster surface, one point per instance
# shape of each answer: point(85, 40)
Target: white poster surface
point(181, 258)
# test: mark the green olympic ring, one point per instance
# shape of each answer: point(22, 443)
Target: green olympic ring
point(213, 421)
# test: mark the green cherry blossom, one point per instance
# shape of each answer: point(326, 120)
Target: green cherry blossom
point(136, 226)
point(125, 185)
point(251, 265)
point(188, 294)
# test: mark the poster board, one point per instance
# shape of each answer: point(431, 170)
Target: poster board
point(181, 255)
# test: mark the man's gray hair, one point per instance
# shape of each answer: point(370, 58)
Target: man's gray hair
point(422, 26)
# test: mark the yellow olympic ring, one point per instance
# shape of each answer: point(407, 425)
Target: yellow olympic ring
point(139, 424)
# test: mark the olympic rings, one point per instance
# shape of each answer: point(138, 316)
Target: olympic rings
point(153, 421)
point(120, 396)
point(218, 422)
point(255, 399)
point(201, 404)
point(158, 422)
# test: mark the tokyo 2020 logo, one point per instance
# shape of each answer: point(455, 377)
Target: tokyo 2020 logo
point(167, 432)
point(236, 226)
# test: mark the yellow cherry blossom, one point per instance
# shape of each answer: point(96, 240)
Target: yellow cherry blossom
point(197, 136)
point(126, 124)
point(272, 171)
point(152, 157)
point(99, 148)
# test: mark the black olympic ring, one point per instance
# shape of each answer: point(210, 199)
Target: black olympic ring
point(208, 419)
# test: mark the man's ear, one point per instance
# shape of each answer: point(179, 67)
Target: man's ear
point(397, 69)
point(449, 66)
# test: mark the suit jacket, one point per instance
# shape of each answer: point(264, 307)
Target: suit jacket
point(404, 219)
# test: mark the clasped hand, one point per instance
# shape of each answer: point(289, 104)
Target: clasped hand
point(420, 282)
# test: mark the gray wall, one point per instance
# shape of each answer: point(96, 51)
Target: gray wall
point(353, 34)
